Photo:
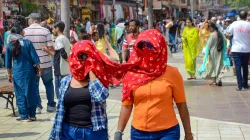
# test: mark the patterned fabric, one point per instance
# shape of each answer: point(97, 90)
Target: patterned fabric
point(98, 94)
point(105, 69)
point(149, 60)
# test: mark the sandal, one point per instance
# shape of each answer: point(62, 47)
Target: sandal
point(238, 89)
point(189, 78)
point(213, 84)
point(219, 83)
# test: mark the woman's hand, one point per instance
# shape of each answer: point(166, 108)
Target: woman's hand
point(10, 78)
point(92, 76)
point(189, 136)
point(39, 74)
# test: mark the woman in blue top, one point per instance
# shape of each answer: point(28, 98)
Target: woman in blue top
point(21, 58)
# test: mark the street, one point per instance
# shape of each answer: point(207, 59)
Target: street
point(217, 113)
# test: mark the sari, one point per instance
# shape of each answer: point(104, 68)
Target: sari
point(204, 35)
point(191, 48)
point(105, 48)
point(218, 62)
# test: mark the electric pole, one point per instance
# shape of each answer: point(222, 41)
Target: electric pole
point(150, 14)
point(65, 16)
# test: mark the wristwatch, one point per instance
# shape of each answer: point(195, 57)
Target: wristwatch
point(118, 131)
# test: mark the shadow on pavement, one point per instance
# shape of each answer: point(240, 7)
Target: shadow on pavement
point(12, 135)
point(112, 117)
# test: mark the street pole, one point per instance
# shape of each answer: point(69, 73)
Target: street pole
point(150, 14)
point(65, 16)
point(192, 8)
point(113, 11)
point(1, 17)
point(137, 10)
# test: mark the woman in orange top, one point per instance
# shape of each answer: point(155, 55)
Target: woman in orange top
point(151, 86)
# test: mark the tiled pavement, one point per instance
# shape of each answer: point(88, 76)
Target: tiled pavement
point(203, 129)
point(218, 105)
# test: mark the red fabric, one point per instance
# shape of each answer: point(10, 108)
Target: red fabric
point(147, 65)
point(143, 66)
point(104, 69)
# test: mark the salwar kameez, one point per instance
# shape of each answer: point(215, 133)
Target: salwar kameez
point(24, 78)
point(215, 62)
point(191, 48)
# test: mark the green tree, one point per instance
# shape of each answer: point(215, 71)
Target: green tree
point(28, 7)
point(237, 3)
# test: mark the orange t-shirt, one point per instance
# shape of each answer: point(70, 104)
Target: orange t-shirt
point(153, 102)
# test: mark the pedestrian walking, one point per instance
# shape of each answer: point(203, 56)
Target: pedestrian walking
point(172, 26)
point(60, 53)
point(21, 62)
point(82, 105)
point(88, 25)
point(103, 45)
point(204, 34)
point(240, 30)
point(130, 39)
point(150, 86)
point(73, 36)
point(94, 37)
point(191, 47)
point(215, 62)
point(42, 39)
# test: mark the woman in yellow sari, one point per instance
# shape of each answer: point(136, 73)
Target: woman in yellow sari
point(104, 46)
point(204, 34)
point(191, 47)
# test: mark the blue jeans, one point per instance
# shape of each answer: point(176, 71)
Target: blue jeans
point(172, 41)
point(74, 133)
point(172, 133)
point(58, 84)
point(241, 60)
point(47, 77)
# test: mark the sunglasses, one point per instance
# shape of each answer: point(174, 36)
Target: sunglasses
point(145, 44)
point(82, 57)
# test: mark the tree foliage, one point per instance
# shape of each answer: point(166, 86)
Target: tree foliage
point(28, 7)
point(237, 3)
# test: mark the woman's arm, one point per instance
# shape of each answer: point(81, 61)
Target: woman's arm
point(185, 118)
point(123, 120)
point(97, 90)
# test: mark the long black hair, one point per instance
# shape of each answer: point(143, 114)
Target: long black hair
point(16, 49)
point(220, 37)
point(100, 30)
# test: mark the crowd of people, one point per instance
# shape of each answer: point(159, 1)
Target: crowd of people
point(99, 55)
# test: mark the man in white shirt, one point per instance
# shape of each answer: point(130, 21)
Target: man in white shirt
point(241, 48)
point(61, 53)
point(88, 25)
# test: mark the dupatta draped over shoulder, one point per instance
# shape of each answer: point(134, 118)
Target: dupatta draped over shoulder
point(191, 48)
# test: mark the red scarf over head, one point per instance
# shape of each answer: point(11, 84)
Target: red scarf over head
point(104, 69)
point(147, 64)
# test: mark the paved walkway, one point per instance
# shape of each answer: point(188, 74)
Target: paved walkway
point(203, 129)
point(226, 112)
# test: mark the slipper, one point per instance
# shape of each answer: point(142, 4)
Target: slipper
point(213, 84)
point(238, 89)
point(189, 78)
